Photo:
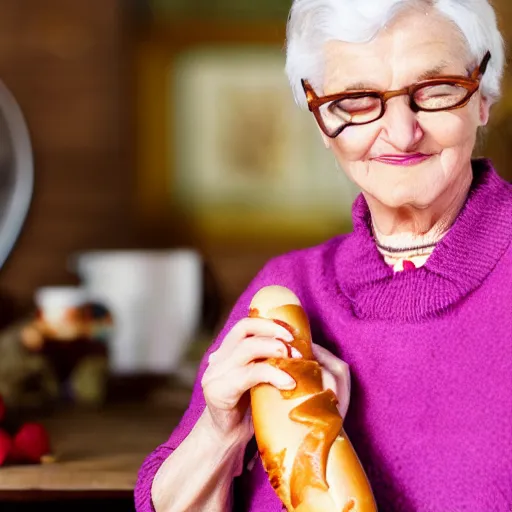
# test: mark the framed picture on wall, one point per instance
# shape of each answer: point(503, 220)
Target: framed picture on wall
point(238, 157)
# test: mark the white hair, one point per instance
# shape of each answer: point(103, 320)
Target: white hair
point(312, 23)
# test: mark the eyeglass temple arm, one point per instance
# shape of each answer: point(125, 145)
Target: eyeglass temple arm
point(308, 90)
point(480, 70)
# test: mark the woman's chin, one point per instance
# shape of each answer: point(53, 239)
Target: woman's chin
point(396, 186)
point(406, 196)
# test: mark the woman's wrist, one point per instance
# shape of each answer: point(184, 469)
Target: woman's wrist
point(232, 441)
point(215, 458)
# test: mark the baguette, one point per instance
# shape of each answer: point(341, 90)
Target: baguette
point(309, 459)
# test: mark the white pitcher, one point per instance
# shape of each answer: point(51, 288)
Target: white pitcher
point(155, 298)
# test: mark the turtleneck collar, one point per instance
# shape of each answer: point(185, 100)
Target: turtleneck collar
point(459, 264)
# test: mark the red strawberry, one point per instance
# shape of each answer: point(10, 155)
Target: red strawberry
point(31, 442)
point(5, 446)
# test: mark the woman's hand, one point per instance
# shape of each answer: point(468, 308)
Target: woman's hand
point(236, 367)
point(214, 449)
point(335, 376)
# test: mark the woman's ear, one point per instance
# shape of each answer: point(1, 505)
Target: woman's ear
point(484, 110)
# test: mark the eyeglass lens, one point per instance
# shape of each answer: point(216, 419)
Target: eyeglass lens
point(367, 108)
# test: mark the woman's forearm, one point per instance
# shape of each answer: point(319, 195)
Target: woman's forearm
point(199, 474)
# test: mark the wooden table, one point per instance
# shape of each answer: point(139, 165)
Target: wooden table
point(98, 453)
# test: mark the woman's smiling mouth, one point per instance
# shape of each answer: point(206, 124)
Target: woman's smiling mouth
point(402, 159)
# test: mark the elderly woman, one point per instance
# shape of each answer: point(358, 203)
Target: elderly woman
point(417, 300)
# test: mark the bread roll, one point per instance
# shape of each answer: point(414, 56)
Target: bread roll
point(310, 462)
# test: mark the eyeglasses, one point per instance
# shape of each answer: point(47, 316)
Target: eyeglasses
point(337, 111)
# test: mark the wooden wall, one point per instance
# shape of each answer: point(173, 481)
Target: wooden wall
point(67, 62)
point(69, 65)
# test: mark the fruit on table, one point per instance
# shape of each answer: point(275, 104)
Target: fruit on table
point(30, 443)
point(5, 446)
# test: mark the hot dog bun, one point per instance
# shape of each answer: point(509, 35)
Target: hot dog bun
point(310, 462)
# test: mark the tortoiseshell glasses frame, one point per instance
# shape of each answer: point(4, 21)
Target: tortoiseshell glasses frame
point(336, 112)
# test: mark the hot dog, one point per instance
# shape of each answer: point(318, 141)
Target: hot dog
point(307, 455)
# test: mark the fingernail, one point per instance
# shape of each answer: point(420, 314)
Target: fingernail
point(287, 383)
point(296, 354)
point(285, 334)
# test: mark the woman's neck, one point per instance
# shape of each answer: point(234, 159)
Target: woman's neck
point(411, 233)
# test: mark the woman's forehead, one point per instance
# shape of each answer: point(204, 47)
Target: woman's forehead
point(401, 53)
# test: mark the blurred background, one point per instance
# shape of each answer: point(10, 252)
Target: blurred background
point(151, 161)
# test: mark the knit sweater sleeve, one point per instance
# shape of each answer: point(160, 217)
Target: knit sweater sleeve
point(272, 273)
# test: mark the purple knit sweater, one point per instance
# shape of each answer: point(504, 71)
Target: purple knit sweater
point(430, 352)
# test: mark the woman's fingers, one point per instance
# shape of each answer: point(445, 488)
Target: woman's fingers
point(328, 360)
point(248, 354)
point(258, 373)
point(340, 387)
point(257, 347)
point(234, 370)
point(253, 348)
point(223, 389)
point(335, 376)
point(329, 381)
point(237, 366)
point(251, 328)
point(248, 327)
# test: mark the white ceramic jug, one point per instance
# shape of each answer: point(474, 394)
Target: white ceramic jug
point(155, 298)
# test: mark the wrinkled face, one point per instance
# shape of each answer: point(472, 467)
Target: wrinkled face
point(406, 158)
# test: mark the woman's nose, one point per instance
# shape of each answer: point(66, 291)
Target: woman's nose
point(400, 124)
